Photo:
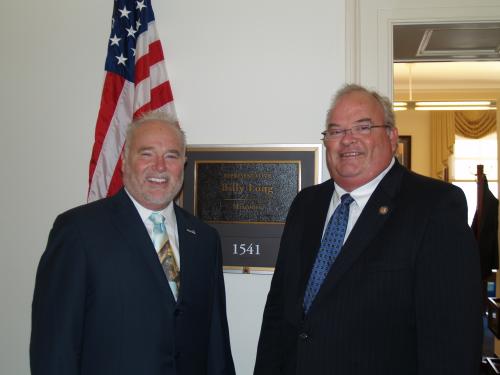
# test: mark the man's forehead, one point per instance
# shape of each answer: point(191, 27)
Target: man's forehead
point(362, 120)
point(357, 99)
point(359, 108)
point(156, 128)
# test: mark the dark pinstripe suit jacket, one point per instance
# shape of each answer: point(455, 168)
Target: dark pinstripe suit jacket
point(402, 298)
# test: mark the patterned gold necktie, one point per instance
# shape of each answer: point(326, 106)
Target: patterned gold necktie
point(165, 253)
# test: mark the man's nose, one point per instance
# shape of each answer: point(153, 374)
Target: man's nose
point(348, 137)
point(160, 163)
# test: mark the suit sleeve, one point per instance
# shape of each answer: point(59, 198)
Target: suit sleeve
point(58, 304)
point(448, 293)
point(220, 360)
point(273, 341)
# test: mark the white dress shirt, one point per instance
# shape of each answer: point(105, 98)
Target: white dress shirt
point(170, 225)
point(360, 196)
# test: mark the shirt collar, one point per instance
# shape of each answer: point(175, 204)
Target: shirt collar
point(144, 213)
point(363, 193)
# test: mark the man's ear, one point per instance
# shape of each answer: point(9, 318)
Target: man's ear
point(394, 136)
point(122, 158)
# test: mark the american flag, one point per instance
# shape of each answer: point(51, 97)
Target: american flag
point(136, 81)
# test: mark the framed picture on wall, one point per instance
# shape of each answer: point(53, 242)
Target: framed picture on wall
point(403, 152)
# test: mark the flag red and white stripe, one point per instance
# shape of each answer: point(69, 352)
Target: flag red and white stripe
point(136, 81)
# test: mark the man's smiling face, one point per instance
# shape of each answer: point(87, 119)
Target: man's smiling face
point(354, 160)
point(153, 164)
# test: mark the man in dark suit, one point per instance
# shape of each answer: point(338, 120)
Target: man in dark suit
point(403, 295)
point(105, 304)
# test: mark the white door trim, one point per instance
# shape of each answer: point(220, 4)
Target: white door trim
point(369, 26)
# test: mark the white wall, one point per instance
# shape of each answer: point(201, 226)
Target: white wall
point(242, 72)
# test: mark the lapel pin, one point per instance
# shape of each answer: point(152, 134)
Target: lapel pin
point(192, 231)
point(383, 210)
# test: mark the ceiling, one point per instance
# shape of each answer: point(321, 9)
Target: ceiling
point(447, 42)
point(450, 58)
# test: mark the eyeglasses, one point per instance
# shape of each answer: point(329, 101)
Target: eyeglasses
point(356, 131)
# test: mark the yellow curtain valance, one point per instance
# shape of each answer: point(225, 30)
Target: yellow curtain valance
point(475, 124)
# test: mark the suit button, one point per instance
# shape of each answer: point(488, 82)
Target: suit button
point(303, 336)
point(177, 312)
point(168, 360)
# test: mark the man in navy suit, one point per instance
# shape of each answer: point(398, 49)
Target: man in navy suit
point(403, 295)
point(102, 303)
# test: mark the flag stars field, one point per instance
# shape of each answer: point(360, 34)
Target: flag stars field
point(131, 32)
point(121, 59)
point(114, 40)
point(140, 5)
point(124, 12)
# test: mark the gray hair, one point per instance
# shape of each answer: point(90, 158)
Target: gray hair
point(384, 101)
point(157, 116)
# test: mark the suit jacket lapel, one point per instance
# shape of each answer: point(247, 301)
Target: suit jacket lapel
point(128, 222)
point(376, 212)
point(313, 228)
point(187, 246)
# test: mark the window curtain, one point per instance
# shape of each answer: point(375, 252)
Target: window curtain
point(442, 141)
point(444, 126)
point(475, 124)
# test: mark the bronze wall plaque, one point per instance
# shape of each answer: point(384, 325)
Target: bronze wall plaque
point(241, 191)
point(245, 193)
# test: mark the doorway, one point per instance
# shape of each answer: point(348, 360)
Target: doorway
point(452, 67)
